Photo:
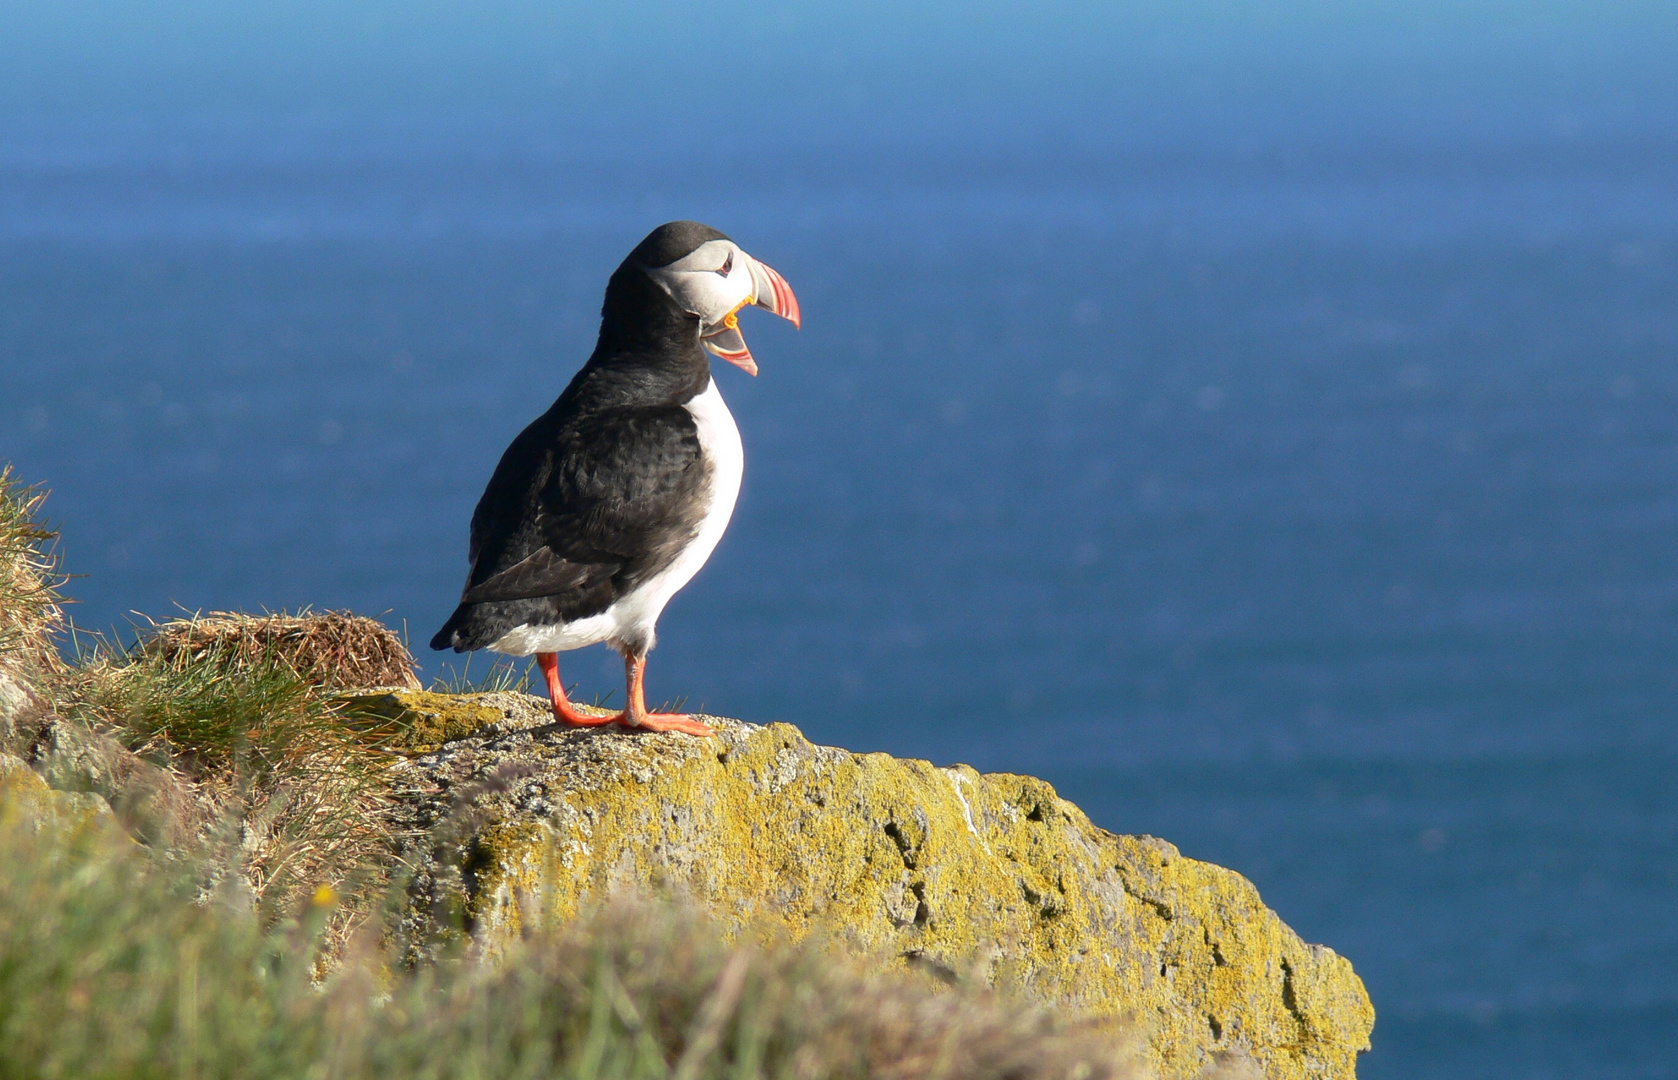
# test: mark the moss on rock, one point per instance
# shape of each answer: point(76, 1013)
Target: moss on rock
point(943, 867)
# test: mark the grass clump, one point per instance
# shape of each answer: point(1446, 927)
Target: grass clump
point(219, 730)
point(31, 609)
point(503, 676)
point(243, 737)
point(108, 967)
point(334, 650)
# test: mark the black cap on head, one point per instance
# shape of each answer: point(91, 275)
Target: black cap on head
point(671, 241)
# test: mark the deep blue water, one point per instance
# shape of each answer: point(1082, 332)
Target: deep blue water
point(1295, 481)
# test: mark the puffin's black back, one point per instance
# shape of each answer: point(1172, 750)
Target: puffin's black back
point(603, 490)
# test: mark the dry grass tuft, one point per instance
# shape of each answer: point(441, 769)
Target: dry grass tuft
point(651, 990)
point(255, 746)
point(333, 650)
point(31, 609)
point(790, 1011)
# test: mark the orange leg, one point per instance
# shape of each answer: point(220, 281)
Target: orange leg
point(637, 716)
point(563, 711)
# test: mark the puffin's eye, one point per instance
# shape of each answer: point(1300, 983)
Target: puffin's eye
point(727, 265)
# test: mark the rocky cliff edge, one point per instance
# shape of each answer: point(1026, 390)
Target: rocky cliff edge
point(951, 870)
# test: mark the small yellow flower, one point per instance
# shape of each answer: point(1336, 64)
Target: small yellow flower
point(325, 896)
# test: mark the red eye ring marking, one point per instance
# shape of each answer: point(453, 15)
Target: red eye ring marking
point(727, 265)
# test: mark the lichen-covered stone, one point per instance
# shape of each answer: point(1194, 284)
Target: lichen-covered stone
point(944, 867)
point(27, 802)
point(418, 722)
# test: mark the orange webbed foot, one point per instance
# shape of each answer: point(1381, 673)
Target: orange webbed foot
point(664, 721)
point(637, 716)
point(569, 715)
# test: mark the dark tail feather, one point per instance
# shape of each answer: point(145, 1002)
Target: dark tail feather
point(448, 637)
point(480, 626)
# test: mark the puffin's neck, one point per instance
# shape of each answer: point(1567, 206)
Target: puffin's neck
point(648, 349)
point(639, 316)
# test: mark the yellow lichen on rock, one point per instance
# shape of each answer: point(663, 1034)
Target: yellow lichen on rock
point(418, 722)
point(27, 802)
point(944, 867)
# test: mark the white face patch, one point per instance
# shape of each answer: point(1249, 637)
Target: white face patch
point(712, 281)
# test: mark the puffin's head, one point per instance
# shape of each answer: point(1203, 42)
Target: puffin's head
point(708, 276)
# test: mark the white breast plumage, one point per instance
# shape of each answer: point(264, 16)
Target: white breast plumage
point(719, 442)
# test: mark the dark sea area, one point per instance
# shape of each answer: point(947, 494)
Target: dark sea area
point(1291, 474)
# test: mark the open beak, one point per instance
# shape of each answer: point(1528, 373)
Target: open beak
point(771, 291)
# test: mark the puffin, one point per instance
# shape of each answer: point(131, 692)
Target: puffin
point(612, 500)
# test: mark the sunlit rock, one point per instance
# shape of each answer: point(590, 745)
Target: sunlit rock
point(946, 868)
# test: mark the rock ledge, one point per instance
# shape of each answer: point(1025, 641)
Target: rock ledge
point(944, 867)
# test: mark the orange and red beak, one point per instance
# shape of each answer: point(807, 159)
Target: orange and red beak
point(771, 291)
point(774, 293)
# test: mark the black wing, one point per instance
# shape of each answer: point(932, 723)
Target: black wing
point(613, 500)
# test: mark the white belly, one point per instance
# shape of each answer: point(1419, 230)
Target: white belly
point(630, 621)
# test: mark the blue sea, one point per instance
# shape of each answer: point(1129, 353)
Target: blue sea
point(1264, 427)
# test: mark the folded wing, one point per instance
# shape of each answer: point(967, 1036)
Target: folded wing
point(577, 518)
